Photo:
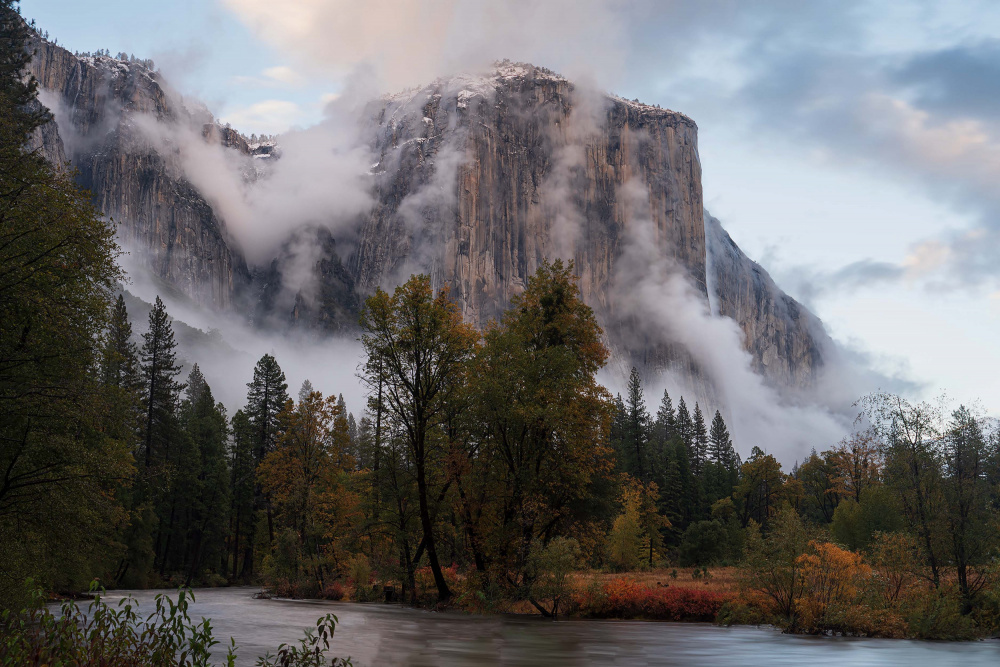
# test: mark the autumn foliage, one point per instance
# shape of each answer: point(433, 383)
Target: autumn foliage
point(626, 598)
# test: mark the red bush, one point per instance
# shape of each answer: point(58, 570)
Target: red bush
point(626, 598)
point(332, 591)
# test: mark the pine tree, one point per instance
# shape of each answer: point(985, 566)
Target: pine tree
point(699, 441)
point(120, 356)
point(661, 431)
point(721, 446)
point(665, 418)
point(305, 390)
point(683, 425)
point(206, 494)
point(617, 433)
point(161, 391)
point(162, 440)
point(122, 394)
point(354, 434)
point(242, 476)
point(636, 427)
point(723, 463)
point(266, 397)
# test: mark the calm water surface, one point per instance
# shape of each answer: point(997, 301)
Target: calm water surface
point(375, 634)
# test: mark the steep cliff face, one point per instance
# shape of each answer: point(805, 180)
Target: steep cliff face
point(784, 339)
point(162, 219)
point(481, 178)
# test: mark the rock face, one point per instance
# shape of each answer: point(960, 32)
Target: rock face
point(476, 180)
point(162, 219)
point(784, 339)
point(481, 178)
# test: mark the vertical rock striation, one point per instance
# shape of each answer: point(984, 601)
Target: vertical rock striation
point(481, 178)
point(162, 219)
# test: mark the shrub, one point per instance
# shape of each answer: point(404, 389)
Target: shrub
point(332, 591)
point(308, 653)
point(106, 636)
point(424, 579)
point(625, 539)
point(627, 598)
point(938, 615)
point(359, 572)
point(833, 580)
point(551, 567)
point(771, 574)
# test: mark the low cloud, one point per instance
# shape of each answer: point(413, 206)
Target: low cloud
point(226, 348)
point(322, 178)
point(655, 293)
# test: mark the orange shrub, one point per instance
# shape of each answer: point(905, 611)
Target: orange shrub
point(627, 598)
point(833, 577)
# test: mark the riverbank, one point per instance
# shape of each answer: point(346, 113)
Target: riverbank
point(381, 634)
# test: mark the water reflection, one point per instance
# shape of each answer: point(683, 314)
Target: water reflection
point(389, 635)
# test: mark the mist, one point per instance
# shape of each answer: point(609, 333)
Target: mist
point(226, 348)
point(654, 292)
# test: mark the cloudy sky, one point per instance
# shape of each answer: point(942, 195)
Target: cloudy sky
point(853, 148)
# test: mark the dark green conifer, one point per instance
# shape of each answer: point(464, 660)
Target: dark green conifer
point(161, 391)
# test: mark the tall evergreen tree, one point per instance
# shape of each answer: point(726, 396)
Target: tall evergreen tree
point(722, 459)
point(661, 433)
point(699, 441)
point(207, 495)
point(617, 435)
point(160, 388)
point(120, 355)
point(354, 435)
point(305, 390)
point(684, 426)
point(720, 444)
point(665, 417)
point(266, 397)
point(242, 478)
point(122, 386)
point(636, 427)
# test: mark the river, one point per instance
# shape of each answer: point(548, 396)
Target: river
point(378, 634)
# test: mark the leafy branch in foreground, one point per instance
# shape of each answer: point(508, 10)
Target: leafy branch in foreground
point(308, 653)
point(117, 636)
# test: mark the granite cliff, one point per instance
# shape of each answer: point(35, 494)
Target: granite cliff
point(475, 180)
point(161, 216)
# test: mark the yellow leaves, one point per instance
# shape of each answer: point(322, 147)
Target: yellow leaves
point(831, 589)
point(305, 477)
point(832, 576)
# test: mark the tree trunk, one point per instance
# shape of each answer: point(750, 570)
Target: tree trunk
point(425, 522)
